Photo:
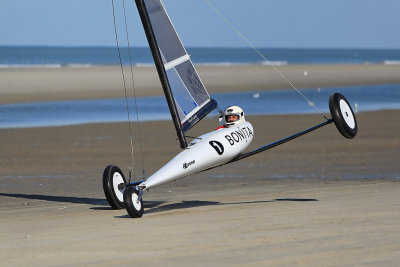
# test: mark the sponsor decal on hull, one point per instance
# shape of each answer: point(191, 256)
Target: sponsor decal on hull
point(188, 164)
point(239, 135)
point(217, 146)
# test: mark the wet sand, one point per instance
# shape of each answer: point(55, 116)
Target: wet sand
point(320, 200)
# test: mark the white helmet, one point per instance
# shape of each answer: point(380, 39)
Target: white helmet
point(233, 116)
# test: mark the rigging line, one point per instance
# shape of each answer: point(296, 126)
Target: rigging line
point(263, 57)
point(134, 90)
point(123, 79)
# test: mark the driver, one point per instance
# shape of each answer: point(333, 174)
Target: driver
point(233, 115)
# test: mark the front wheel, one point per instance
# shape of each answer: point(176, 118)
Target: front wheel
point(132, 205)
point(343, 115)
point(114, 186)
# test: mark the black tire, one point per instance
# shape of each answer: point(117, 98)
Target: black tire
point(112, 177)
point(343, 115)
point(134, 208)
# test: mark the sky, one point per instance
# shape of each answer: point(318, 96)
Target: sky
point(266, 23)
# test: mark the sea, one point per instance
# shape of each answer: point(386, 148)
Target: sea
point(15, 57)
point(59, 113)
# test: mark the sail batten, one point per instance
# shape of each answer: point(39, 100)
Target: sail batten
point(191, 98)
point(176, 62)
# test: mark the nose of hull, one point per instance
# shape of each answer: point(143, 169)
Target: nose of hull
point(211, 150)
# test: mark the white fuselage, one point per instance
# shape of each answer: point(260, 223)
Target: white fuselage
point(209, 150)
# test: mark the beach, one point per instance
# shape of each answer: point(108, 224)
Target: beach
point(70, 83)
point(320, 200)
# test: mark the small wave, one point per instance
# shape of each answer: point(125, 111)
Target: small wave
point(40, 66)
point(20, 66)
point(391, 62)
point(144, 65)
point(222, 64)
point(78, 65)
point(275, 63)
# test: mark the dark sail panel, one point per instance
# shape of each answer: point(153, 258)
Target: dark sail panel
point(167, 39)
point(190, 96)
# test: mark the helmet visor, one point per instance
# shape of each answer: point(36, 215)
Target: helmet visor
point(231, 118)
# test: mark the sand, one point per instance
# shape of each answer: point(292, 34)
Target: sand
point(320, 200)
point(44, 84)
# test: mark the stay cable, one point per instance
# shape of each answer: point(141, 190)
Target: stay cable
point(310, 103)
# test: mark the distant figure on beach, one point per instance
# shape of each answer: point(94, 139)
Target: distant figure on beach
point(233, 115)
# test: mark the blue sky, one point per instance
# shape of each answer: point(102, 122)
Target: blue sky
point(267, 23)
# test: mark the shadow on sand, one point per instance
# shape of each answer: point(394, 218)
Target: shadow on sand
point(199, 203)
point(75, 200)
point(149, 206)
point(159, 207)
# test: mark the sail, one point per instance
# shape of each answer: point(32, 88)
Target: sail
point(191, 98)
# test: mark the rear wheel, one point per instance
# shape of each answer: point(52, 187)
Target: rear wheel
point(343, 115)
point(114, 184)
point(132, 205)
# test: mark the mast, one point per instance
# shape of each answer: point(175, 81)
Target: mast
point(144, 16)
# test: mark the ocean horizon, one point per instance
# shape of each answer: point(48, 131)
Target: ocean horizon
point(55, 56)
